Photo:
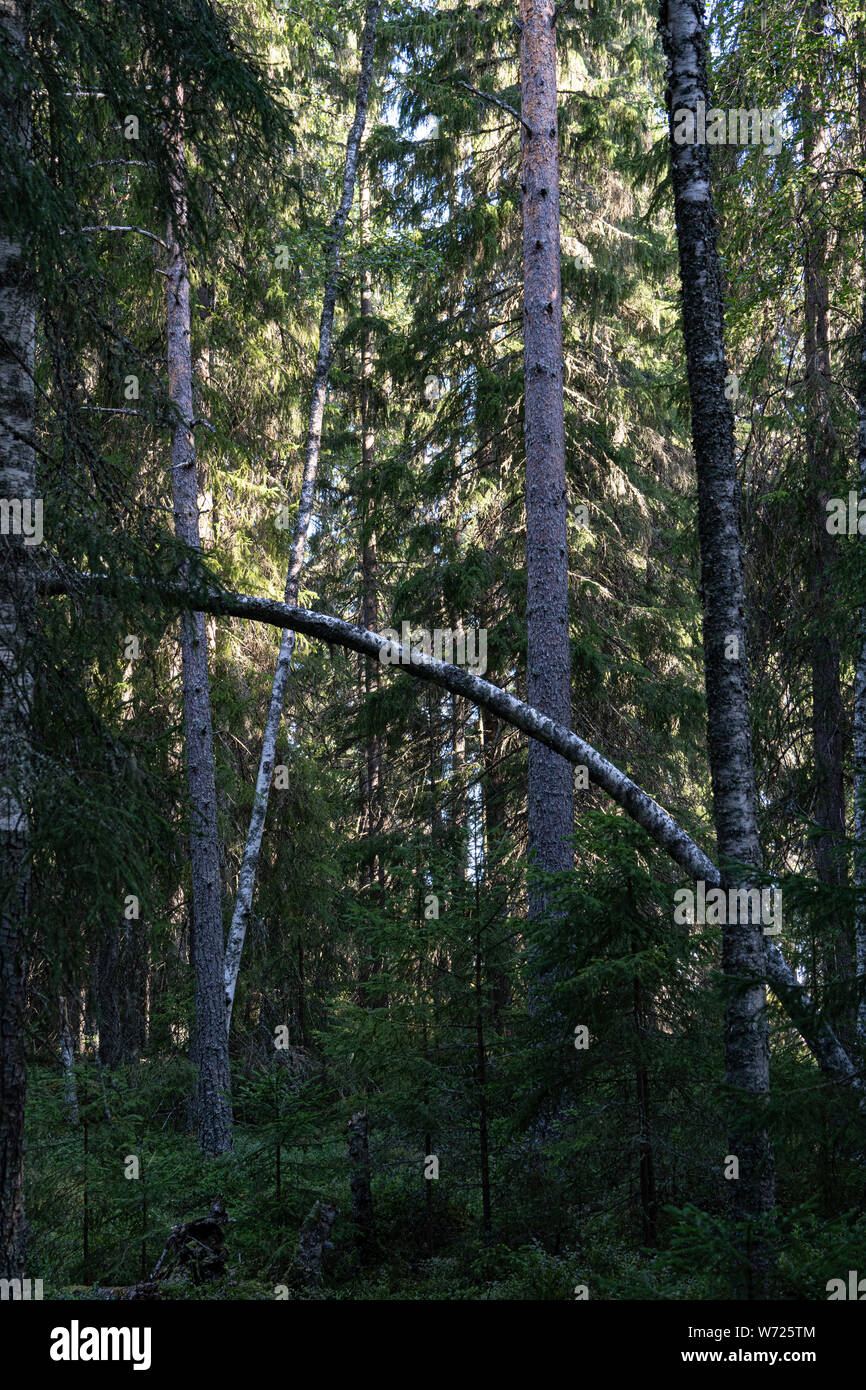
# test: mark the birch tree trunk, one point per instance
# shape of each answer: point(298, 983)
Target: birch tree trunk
point(729, 739)
point(214, 1110)
point(17, 593)
point(252, 847)
point(637, 804)
point(551, 784)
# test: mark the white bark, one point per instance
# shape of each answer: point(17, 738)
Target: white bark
point(638, 805)
point(252, 848)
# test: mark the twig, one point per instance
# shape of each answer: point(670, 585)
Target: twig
point(496, 101)
point(141, 231)
point(103, 163)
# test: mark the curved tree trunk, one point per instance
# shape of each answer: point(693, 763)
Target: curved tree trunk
point(637, 804)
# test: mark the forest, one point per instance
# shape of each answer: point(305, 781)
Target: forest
point(432, 651)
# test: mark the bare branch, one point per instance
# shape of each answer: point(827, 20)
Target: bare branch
point(496, 101)
point(126, 163)
point(141, 231)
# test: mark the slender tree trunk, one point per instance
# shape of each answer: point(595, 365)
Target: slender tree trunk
point(108, 997)
point(374, 869)
point(252, 848)
point(359, 1183)
point(747, 1054)
point(121, 992)
point(860, 673)
point(828, 711)
point(551, 785)
point(214, 1076)
point(493, 794)
point(481, 1071)
point(17, 481)
point(302, 1003)
point(67, 1061)
point(646, 1162)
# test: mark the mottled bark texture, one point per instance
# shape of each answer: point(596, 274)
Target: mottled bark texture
point(860, 671)
point(729, 740)
point(637, 804)
point(252, 847)
point(17, 481)
point(359, 1183)
point(551, 782)
point(213, 1100)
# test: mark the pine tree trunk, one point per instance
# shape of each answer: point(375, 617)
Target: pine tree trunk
point(747, 1056)
point(252, 847)
point(17, 480)
point(214, 1077)
point(551, 786)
